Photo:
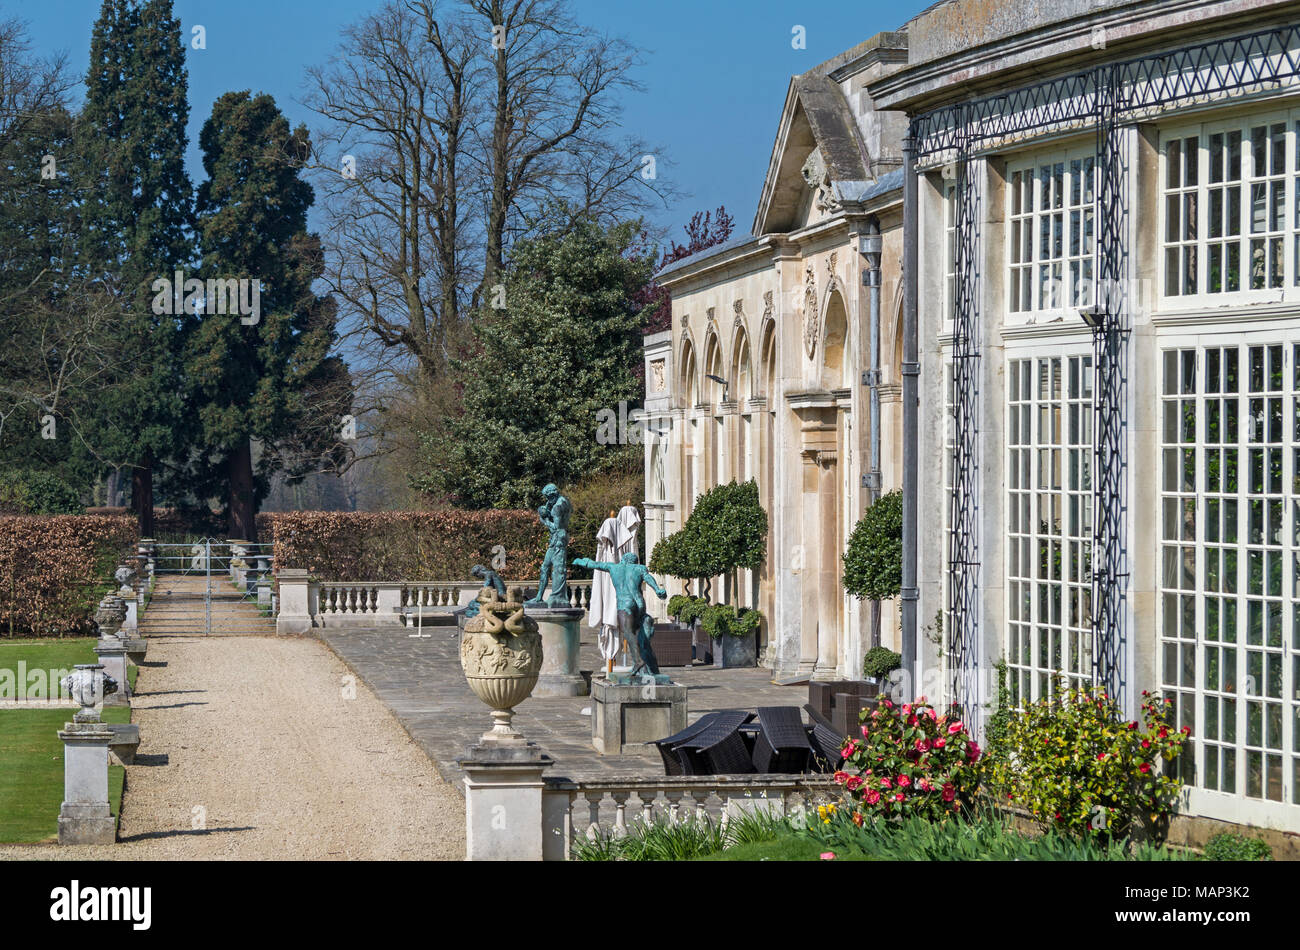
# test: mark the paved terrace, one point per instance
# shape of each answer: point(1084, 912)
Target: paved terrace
point(421, 681)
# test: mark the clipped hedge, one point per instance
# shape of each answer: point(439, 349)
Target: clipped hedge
point(406, 545)
point(54, 569)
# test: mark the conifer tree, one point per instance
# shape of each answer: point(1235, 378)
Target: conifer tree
point(264, 376)
point(138, 226)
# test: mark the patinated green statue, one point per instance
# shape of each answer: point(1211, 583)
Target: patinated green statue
point(490, 578)
point(554, 515)
point(634, 624)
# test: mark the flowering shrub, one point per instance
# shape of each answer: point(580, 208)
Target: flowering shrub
point(1078, 766)
point(911, 761)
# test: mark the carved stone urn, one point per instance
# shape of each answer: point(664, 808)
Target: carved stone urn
point(88, 684)
point(125, 575)
point(110, 615)
point(501, 654)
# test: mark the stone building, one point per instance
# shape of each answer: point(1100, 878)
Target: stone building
point(1108, 298)
point(1102, 461)
point(762, 373)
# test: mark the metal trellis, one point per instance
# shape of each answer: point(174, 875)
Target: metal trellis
point(1106, 99)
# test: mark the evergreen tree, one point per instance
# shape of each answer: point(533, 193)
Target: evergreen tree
point(268, 379)
point(565, 347)
point(138, 225)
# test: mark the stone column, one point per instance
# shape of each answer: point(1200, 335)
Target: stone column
point(296, 607)
point(112, 657)
point(85, 817)
point(503, 801)
point(827, 602)
point(561, 637)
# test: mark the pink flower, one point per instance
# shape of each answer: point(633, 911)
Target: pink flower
point(1144, 768)
point(828, 855)
point(864, 732)
point(898, 797)
point(885, 782)
point(840, 777)
point(1132, 725)
point(922, 745)
point(949, 793)
point(911, 721)
point(940, 742)
point(925, 786)
point(904, 781)
point(1101, 756)
point(887, 704)
point(973, 751)
point(872, 797)
point(854, 783)
point(920, 700)
point(907, 708)
point(954, 728)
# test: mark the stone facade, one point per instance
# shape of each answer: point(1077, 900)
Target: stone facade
point(783, 315)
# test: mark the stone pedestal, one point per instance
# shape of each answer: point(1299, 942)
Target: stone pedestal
point(296, 606)
point(112, 656)
point(131, 624)
point(626, 719)
point(85, 817)
point(561, 635)
point(136, 648)
point(126, 739)
point(503, 800)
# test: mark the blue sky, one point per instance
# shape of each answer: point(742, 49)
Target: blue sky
point(715, 71)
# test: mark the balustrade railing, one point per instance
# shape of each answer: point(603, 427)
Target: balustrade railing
point(616, 805)
point(389, 601)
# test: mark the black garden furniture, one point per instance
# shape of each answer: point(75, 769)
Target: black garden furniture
point(782, 741)
point(719, 749)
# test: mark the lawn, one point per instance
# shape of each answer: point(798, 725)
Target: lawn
point(31, 772)
point(44, 655)
point(31, 753)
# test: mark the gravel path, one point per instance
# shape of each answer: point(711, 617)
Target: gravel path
point(287, 754)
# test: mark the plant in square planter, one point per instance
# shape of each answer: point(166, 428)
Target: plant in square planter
point(687, 610)
point(877, 665)
point(873, 570)
point(734, 633)
point(726, 531)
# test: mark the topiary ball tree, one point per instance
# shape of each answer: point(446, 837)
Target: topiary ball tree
point(727, 530)
point(873, 563)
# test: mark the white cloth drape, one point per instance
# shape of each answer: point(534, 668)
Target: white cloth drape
point(617, 536)
point(603, 611)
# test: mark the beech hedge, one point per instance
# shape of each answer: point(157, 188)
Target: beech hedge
point(54, 569)
point(406, 545)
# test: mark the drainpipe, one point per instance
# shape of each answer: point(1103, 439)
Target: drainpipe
point(911, 407)
point(870, 245)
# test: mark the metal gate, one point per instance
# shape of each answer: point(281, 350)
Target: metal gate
point(210, 587)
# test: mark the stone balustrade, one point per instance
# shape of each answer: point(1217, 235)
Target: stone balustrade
point(305, 602)
point(612, 805)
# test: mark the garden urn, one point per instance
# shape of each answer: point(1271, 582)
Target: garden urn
point(501, 654)
point(88, 684)
point(110, 615)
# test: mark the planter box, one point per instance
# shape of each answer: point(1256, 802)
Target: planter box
point(672, 644)
point(729, 652)
point(702, 644)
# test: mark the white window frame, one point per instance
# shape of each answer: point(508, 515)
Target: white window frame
point(1204, 574)
point(1202, 245)
point(1048, 471)
point(1054, 273)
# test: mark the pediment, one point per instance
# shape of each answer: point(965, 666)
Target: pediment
point(818, 144)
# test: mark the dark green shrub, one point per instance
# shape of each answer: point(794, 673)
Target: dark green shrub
point(25, 491)
point(689, 609)
point(723, 620)
point(726, 531)
point(1227, 846)
point(880, 662)
point(873, 563)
